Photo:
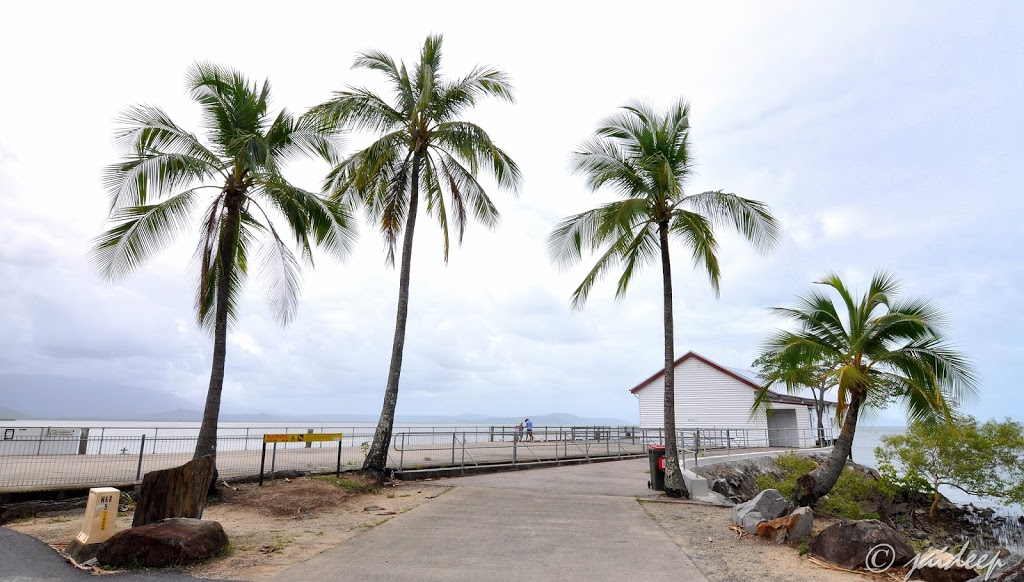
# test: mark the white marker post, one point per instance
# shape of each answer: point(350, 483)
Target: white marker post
point(100, 516)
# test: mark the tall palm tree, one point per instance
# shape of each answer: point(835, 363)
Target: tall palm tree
point(644, 156)
point(423, 148)
point(884, 348)
point(160, 180)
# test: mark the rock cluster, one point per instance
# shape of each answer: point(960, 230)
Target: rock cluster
point(170, 542)
point(856, 544)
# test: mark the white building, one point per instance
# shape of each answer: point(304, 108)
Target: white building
point(712, 397)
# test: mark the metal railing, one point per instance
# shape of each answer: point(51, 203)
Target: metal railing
point(710, 445)
point(507, 446)
point(89, 460)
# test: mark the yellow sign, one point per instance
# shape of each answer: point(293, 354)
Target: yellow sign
point(302, 438)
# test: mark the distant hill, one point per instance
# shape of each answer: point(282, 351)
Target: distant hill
point(555, 419)
point(8, 414)
point(46, 396)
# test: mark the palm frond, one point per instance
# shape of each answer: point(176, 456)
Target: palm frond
point(751, 218)
point(140, 231)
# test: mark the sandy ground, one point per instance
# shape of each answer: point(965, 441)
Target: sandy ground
point(702, 531)
point(273, 527)
point(287, 522)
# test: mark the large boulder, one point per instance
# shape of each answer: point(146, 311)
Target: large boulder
point(177, 492)
point(169, 542)
point(939, 566)
point(849, 544)
point(751, 520)
point(1010, 568)
point(790, 528)
point(769, 503)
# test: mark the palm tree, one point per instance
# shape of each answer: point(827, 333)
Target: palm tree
point(645, 157)
point(884, 348)
point(159, 182)
point(423, 148)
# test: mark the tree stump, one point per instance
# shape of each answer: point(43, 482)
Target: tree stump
point(177, 492)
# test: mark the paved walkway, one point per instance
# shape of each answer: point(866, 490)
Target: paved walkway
point(566, 523)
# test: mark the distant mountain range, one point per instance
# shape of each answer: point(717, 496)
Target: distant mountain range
point(554, 419)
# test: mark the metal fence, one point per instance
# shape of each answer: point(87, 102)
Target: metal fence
point(711, 445)
point(88, 460)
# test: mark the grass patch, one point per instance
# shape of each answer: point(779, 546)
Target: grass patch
point(848, 497)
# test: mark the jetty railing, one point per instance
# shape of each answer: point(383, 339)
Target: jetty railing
point(56, 459)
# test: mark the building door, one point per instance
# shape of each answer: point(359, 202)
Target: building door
point(782, 429)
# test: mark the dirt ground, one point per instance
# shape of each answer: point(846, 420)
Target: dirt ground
point(702, 531)
point(287, 522)
point(275, 526)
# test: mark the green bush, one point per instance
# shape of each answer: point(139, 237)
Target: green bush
point(846, 498)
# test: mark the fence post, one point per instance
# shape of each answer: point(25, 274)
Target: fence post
point(263, 459)
point(463, 449)
point(337, 471)
point(83, 442)
point(401, 456)
point(142, 449)
point(309, 431)
point(156, 433)
point(273, 458)
point(515, 443)
point(103, 432)
point(728, 443)
point(454, 441)
point(696, 446)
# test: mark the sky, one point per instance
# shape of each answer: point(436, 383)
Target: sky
point(882, 135)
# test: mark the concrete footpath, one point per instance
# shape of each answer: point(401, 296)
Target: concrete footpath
point(566, 523)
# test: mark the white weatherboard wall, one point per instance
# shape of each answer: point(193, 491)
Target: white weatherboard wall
point(706, 397)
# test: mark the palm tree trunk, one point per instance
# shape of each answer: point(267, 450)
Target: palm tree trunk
point(673, 475)
point(206, 444)
point(816, 484)
point(377, 456)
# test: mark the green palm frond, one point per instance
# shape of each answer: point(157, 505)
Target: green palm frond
point(884, 348)
point(644, 157)
point(421, 139)
point(696, 233)
point(242, 163)
point(140, 232)
point(749, 217)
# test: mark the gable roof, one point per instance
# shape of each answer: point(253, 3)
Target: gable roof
point(743, 376)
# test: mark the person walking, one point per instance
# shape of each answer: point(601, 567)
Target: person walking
point(519, 432)
point(529, 430)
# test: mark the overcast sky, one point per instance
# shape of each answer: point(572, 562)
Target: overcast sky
point(882, 135)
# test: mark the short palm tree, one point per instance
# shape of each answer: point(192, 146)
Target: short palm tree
point(160, 181)
point(423, 149)
point(883, 348)
point(644, 156)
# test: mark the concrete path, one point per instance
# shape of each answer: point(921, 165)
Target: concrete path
point(566, 523)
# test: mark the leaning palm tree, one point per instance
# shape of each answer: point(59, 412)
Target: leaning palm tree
point(883, 348)
point(161, 179)
point(423, 148)
point(645, 158)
